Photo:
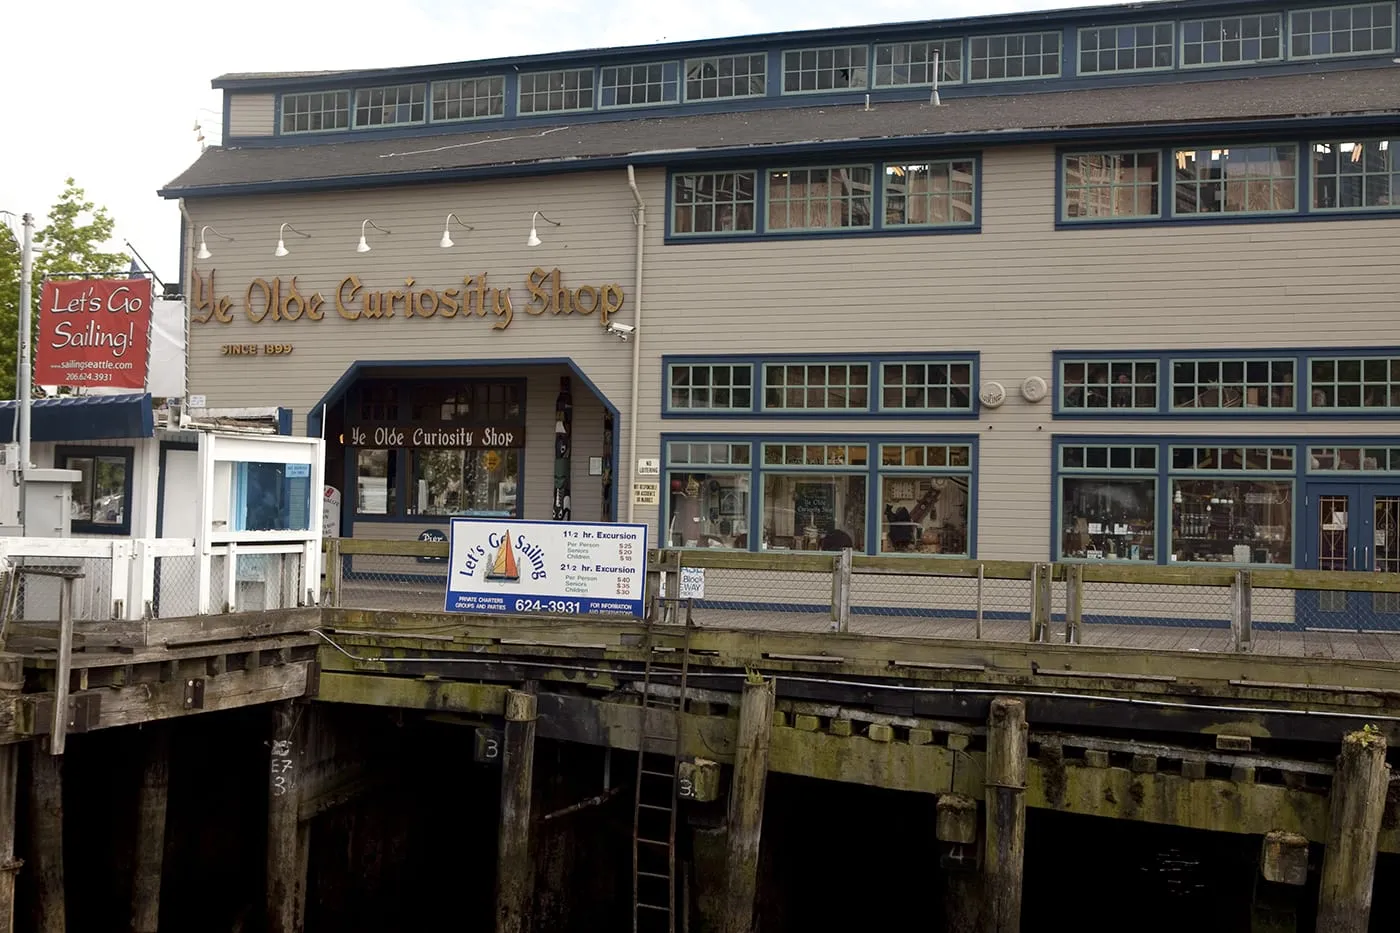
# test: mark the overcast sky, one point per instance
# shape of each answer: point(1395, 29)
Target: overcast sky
point(109, 93)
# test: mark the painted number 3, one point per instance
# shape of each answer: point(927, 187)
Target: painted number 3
point(687, 788)
point(493, 749)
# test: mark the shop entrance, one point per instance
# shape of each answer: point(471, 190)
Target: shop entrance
point(1352, 527)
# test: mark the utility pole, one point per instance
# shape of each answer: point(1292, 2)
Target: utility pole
point(24, 375)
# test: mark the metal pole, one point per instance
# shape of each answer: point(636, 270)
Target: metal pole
point(24, 373)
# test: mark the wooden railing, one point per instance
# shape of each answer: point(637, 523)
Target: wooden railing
point(1066, 593)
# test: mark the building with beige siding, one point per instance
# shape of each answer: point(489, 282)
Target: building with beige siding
point(1104, 284)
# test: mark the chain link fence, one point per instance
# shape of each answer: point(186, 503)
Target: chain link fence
point(35, 598)
point(390, 582)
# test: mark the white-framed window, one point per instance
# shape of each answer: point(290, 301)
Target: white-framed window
point(842, 68)
point(1141, 47)
point(1358, 174)
point(1225, 508)
point(1232, 40)
point(1108, 502)
point(930, 194)
point(925, 499)
point(926, 385)
point(1233, 384)
point(1108, 385)
point(1333, 32)
point(910, 64)
point(639, 85)
point(400, 105)
point(834, 197)
point(726, 77)
point(814, 496)
point(469, 98)
point(1111, 185)
point(1354, 383)
point(562, 91)
point(710, 386)
point(1011, 57)
point(707, 203)
point(315, 112)
point(1236, 180)
point(816, 386)
point(709, 490)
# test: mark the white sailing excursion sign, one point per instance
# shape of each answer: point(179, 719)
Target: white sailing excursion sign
point(546, 568)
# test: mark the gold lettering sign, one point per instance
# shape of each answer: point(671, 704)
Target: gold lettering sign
point(274, 300)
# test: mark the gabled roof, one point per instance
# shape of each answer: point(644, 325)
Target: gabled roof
point(83, 417)
point(1177, 110)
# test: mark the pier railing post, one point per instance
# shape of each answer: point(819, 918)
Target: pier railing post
point(334, 573)
point(746, 797)
point(841, 592)
point(514, 859)
point(1242, 612)
point(150, 831)
point(1004, 863)
point(1074, 604)
point(1042, 576)
point(1358, 799)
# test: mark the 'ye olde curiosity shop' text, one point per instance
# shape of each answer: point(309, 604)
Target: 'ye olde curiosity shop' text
point(268, 301)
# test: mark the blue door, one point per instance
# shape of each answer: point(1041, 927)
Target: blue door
point(1352, 527)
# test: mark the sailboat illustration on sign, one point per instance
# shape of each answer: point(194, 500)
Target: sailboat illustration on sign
point(504, 566)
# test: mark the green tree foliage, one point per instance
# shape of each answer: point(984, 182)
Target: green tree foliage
point(68, 246)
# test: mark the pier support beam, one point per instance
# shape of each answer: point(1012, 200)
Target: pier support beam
point(514, 867)
point(1349, 860)
point(9, 865)
point(1004, 865)
point(957, 831)
point(746, 805)
point(286, 836)
point(45, 855)
point(150, 831)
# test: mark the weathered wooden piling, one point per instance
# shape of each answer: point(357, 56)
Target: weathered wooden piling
point(746, 804)
point(1004, 863)
point(286, 856)
point(9, 865)
point(957, 834)
point(150, 830)
point(514, 866)
point(1349, 860)
point(45, 848)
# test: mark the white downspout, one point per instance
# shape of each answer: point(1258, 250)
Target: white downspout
point(641, 222)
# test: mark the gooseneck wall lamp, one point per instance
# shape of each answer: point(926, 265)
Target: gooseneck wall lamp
point(446, 226)
point(204, 246)
point(534, 238)
point(364, 244)
point(281, 244)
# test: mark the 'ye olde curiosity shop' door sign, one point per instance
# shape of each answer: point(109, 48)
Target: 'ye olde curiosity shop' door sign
point(267, 301)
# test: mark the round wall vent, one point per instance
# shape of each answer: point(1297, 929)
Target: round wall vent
point(992, 394)
point(1034, 389)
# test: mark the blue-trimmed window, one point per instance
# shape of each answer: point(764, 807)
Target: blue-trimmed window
point(1108, 384)
point(1353, 175)
point(1232, 385)
point(710, 488)
point(825, 198)
point(639, 85)
point(1354, 383)
point(377, 482)
point(925, 499)
point(1353, 459)
point(1139, 47)
point(1236, 180)
point(816, 386)
point(726, 387)
point(1232, 40)
point(707, 203)
point(315, 112)
point(836, 68)
point(726, 77)
point(814, 496)
point(941, 193)
point(1013, 57)
point(101, 503)
point(1111, 185)
point(400, 105)
point(910, 64)
point(1332, 32)
point(469, 99)
point(566, 90)
point(1232, 504)
point(1107, 501)
point(926, 385)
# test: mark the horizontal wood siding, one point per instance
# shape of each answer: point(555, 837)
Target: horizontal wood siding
point(252, 114)
point(1015, 292)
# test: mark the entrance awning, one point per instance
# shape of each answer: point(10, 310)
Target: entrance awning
point(82, 418)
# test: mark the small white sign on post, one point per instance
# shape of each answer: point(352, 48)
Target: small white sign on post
point(330, 512)
point(646, 493)
point(692, 583)
point(648, 466)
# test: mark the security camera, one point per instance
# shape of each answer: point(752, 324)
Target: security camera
point(621, 331)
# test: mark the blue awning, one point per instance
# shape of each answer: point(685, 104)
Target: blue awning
point(82, 418)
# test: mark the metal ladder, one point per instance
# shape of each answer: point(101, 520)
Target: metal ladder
point(658, 782)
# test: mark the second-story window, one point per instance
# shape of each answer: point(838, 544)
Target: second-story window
point(713, 202)
point(904, 64)
point(1233, 384)
point(1109, 185)
point(469, 98)
point(635, 85)
point(816, 386)
point(725, 77)
point(556, 91)
point(930, 194)
point(1356, 174)
point(1108, 49)
point(1232, 40)
point(313, 113)
point(1002, 58)
point(1342, 30)
point(390, 106)
point(1236, 180)
point(820, 198)
point(835, 69)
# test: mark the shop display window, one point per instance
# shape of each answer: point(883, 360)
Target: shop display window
point(465, 482)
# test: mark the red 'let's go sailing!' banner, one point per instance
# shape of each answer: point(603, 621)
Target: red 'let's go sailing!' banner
point(94, 333)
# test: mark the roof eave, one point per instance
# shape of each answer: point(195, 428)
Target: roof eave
point(673, 157)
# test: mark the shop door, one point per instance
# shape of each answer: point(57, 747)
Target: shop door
point(1352, 528)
